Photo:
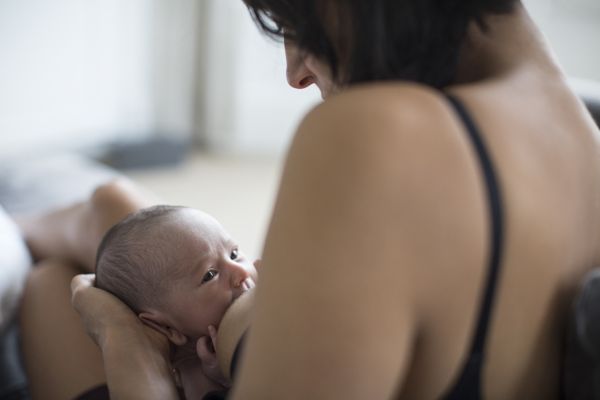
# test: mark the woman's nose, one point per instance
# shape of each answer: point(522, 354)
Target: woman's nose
point(299, 76)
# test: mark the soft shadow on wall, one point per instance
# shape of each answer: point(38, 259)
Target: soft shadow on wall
point(145, 78)
point(150, 78)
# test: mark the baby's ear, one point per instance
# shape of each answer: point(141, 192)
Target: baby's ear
point(157, 321)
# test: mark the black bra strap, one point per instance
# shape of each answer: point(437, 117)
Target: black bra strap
point(477, 351)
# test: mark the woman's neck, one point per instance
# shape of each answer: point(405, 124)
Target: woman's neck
point(510, 43)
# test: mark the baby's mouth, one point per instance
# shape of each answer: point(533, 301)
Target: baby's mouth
point(247, 285)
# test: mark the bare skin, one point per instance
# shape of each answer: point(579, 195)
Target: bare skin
point(51, 352)
point(376, 254)
point(66, 241)
point(413, 298)
point(75, 232)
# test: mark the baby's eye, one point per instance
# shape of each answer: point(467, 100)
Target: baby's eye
point(234, 254)
point(209, 275)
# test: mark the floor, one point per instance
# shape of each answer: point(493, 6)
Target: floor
point(238, 191)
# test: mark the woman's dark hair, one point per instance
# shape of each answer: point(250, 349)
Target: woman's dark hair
point(370, 40)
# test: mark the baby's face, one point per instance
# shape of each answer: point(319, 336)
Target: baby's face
point(215, 273)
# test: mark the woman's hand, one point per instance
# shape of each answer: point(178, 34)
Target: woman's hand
point(103, 314)
point(136, 357)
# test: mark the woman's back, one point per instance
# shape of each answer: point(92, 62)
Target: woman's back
point(545, 152)
point(549, 179)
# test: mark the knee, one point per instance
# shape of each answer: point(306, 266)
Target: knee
point(110, 203)
point(110, 194)
point(114, 200)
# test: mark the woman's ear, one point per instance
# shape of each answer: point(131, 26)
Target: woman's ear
point(157, 321)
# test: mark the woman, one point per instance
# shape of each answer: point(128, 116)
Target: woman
point(435, 215)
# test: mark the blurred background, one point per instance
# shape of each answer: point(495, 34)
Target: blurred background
point(82, 74)
point(185, 96)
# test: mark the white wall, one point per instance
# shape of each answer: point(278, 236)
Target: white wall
point(81, 73)
point(572, 28)
point(246, 106)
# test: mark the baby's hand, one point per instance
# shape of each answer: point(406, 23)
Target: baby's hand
point(190, 375)
point(205, 348)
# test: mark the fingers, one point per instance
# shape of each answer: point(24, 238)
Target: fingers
point(99, 310)
point(80, 283)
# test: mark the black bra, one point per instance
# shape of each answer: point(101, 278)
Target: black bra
point(468, 385)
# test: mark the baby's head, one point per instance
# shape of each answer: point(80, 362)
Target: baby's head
point(175, 267)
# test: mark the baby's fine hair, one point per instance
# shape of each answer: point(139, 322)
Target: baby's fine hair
point(131, 264)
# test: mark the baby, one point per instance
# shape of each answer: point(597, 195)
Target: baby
point(178, 270)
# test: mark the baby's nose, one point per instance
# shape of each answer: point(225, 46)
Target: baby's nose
point(238, 274)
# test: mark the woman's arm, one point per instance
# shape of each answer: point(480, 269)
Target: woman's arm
point(136, 358)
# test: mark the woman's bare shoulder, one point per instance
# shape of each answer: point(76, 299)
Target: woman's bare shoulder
point(395, 100)
point(378, 115)
point(395, 154)
point(371, 125)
